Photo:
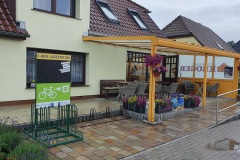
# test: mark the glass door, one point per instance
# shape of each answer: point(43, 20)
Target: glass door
point(171, 63)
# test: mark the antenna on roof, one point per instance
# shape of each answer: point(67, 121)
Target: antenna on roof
point(219, 46)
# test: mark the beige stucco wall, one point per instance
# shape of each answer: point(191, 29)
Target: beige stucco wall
point(55, 32)
point(189, 40)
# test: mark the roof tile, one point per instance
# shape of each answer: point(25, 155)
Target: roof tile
point(7, 23)
point(236, 47)
point(99, 24)
point(182, 26)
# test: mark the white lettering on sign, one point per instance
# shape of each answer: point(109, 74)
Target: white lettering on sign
point(66, 67)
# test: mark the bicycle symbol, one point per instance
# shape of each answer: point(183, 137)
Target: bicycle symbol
point(47, 92)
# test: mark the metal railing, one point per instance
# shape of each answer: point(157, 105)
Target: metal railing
point(217, 108)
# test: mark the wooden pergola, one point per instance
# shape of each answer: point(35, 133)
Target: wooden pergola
point(169, 47)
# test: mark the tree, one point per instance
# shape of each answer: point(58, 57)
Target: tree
point(231, 43)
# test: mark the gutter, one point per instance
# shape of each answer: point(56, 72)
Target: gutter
point(17, 35)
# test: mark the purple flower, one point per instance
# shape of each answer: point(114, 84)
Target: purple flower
point(153, 60)
point(141, 101)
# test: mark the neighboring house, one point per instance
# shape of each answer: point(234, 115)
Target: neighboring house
point(236, 47)
point(185, 30)
point(50, 26)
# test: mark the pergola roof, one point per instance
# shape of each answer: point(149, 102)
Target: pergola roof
point(168, 47)
point(163, 45)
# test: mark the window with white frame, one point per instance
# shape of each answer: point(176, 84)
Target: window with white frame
point(77, 66)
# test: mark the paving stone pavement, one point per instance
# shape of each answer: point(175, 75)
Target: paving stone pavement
point(194, 146)
point(122, 138)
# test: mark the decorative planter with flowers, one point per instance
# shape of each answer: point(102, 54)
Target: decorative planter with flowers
point(180, 101)
point(174, 101)
point(125, 103)
point(155, 62)
point(132, 103)
point(191, 101)
point(141, 105)
point(162, 106)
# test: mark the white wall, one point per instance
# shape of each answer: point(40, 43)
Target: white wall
point(53, 32)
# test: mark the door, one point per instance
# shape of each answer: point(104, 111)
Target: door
point(171, 63)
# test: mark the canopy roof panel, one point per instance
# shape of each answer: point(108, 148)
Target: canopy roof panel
point(163, 45)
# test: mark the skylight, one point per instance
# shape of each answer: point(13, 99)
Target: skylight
point(107, 11)
point(219, 46)
point(138, 19)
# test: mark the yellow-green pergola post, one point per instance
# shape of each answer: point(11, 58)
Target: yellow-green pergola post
point(205, 81)
point(235, 76)
point(151, 98)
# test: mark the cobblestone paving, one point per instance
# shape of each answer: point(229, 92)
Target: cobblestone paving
point(193, 147)
point(123, 138)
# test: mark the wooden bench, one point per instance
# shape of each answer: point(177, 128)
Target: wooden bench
point(109, 87)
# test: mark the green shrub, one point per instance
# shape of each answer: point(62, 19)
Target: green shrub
point(29, 151)
point(9, 140)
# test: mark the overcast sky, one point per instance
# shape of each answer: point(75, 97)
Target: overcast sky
point(222, 16)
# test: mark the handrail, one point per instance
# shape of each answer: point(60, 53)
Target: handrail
point(217, 107)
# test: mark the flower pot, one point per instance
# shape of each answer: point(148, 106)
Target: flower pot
point(187, 104)
point(125, 105)
point(156, 74)
point(159, 108)
point(140, 109)
point(174, 102)
point(131, 106)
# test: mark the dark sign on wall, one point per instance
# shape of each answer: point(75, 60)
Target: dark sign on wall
point(53, 80)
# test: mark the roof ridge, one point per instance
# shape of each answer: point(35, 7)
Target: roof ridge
point(183, 19)
point(170, 23)
point(238, 42)
point(147, 10)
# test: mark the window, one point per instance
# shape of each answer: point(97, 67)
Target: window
point(136, 17)
point(107, 11)
point(62, 7)
point(77, 67)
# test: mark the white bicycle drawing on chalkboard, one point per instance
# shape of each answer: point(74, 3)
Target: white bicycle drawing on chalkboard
point(47, 92)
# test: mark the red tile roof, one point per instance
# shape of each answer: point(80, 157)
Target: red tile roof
point(99, 24)
point(7, 24)
point(183, 27)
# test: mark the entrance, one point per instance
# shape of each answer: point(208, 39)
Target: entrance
point(171, 63)
point(136, 68)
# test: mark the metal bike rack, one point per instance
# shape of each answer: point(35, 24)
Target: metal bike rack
point(52, 133)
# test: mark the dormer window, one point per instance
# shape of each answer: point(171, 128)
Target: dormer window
point(61, 7)
point(137, 18)
point(107, 11)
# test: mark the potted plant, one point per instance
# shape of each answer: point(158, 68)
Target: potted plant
point(159, 105)
point(159, 70)
point(191, 101)
point(155, 62)
point(125, 103)
point(132, 103)
point(174, 100)
point(180, 99)
point(186, 102)
point(141, 104)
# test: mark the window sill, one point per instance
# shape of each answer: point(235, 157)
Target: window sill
point(72, 85)
point(39, 10)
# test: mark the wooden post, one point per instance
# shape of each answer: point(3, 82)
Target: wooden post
point(205, 81)
point(235, 76)
point(151, 104)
